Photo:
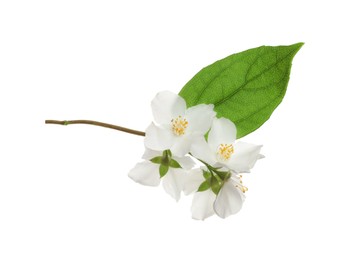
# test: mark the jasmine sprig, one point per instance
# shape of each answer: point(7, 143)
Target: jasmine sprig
point(223, 102)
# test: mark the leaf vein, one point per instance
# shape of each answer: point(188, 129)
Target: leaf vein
point(255, 77)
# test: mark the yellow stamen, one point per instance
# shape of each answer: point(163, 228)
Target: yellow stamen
point(225, 151)
point(240, 186)
point(179, 125)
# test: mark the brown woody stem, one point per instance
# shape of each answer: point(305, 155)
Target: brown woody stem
point(90, 122)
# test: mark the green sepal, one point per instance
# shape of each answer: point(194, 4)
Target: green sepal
point(163, 169)
point(204, 186)
point(215, 185)
point(206, 175)
point(166, 158)
point(167, 153)
point(174, 164)
point(245, 87)
point(157, 160)
point(223, 175)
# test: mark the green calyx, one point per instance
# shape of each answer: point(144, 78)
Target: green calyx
point(165, 162)
point(214, 179)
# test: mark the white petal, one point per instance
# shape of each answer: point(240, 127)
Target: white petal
point(244, 157)
point(223, 131)
point(145, 173)
point(181, 145)
point(186, 162)
point(149, 154)
point(193, 180)
point(200, 118)
point(200, 149)
point(158, 138)
point(166, 106)
point(173, 182)
point(202, 204)
point(229, 200)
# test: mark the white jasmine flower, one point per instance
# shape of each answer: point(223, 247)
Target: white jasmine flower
point(206, 203)
point(222, 151)
point(177, 126)
point(162, 165)
point(218, 187)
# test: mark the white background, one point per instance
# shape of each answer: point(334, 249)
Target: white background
point(64, 191)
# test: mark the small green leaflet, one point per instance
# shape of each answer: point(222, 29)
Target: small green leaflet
point(245, 87)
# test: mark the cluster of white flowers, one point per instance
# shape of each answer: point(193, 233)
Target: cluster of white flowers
point(180, 133)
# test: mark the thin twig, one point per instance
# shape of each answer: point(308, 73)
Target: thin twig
point(90, 122)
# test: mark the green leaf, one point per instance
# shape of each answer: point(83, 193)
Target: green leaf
point(174, 164)
point(204, 186)
point(157, 159)
point(245, 87)
point(163, 169)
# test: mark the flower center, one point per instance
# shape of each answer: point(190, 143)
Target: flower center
point(179, 125)
point(240, 185)
point(225, 151)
